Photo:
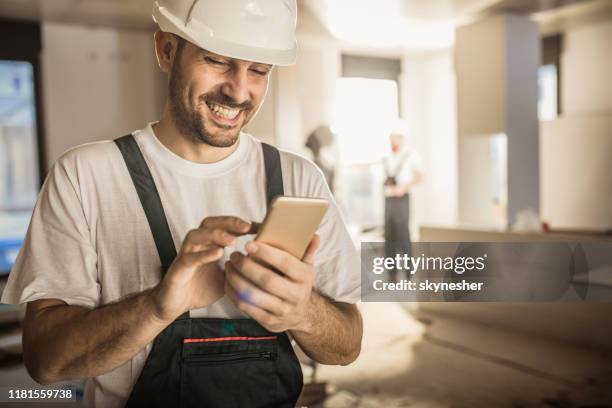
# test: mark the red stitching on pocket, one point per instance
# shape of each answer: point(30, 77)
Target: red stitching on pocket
point(227, 339)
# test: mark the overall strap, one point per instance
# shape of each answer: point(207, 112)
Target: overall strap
point(149, 198)
point(274, 173)
point(151, 202)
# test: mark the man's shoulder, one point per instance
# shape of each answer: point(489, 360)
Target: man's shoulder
point(298, 170)
point(92, 154)
point(290, 160)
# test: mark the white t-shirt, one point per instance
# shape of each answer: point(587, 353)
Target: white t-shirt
point(89, 242)
point(404, 166)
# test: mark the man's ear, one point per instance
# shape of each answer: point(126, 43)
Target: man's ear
point(166, 45)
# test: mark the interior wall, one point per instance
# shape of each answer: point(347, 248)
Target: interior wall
point(429, 107)
point(575, 147)
point(522, 54)
point(414, 103)
point(441, 185)
point(262, 126)
point(577, 172)
point(586, 64)
point(288, 119)
point(98, 83)
point(306, 91)
point(318, 68)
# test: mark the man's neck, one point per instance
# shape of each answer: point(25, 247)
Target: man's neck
point(187, 147)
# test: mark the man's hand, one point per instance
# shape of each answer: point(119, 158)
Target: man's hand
point(280, 297)
point(63, 342)
point(278, 301)
point(398, 191)
point(195, 280)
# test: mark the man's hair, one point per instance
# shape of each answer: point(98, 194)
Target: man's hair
point(180, 44)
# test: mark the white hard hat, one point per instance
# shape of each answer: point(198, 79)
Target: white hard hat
point(254, 30)
point(400, 127)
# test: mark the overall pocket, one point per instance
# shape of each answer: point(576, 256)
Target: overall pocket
point(229, 372)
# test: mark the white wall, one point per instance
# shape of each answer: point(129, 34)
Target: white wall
point(429, 106)
point(586, 64)
point(262, 125)
point(576, 175)
point(306, 91)
point(497, 60)
point(98, 83)
point(577, 172)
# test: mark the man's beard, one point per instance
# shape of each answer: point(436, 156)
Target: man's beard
point(191, 122)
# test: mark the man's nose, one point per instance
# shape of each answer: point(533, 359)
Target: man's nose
point(236, 86)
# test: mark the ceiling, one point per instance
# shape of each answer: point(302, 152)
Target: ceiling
point(421, 25)
point(122, 13)
point(405, 23)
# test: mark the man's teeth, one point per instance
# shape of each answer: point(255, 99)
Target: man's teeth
point(224, 112)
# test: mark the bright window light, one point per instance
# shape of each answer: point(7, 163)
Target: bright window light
point(547, 92)
point(384, 24)
point(19, 181)
point(365, 112)
point(366, 109)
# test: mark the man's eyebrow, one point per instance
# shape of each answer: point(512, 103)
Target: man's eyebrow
point(205, 53)
point(261, 64)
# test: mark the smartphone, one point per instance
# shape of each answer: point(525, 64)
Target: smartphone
point(291, 222)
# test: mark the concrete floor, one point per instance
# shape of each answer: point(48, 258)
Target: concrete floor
point(410, 359)
point(417, 360)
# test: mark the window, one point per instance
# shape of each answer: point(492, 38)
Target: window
point(20, 135)
point(549, 79)
point(547, 92)
point(19, 173)
point(367, 106)
point(365, 111)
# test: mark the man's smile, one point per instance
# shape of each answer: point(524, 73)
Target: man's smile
point(224, 115)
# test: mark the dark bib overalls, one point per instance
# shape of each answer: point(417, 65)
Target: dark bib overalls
point(208, 362)
point(397, 220)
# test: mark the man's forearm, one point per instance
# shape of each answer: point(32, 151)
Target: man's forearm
point(64, 342)
point(415, 180)
point(332, 331)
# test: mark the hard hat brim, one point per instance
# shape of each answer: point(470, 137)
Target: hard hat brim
point(203, 37)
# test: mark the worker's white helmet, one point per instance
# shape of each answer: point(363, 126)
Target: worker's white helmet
point(253, 30)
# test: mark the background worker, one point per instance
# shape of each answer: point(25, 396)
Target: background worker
point(403, 170)
point(322, 144)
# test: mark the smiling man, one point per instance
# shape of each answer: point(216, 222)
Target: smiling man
point(138, 269)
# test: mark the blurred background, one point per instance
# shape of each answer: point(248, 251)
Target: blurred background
point(506, 103)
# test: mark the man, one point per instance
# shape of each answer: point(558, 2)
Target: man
point(322, 144)
point(138, 269)
point(404, 170)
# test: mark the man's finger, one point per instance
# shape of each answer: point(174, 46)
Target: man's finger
point(265, 278)
point(202, 238)
point(250, 293)
point(231, 224)
point(195, 259)
point(312, 249)
point(277, 258)
point(262, 316)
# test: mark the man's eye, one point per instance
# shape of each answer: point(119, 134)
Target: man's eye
point(214, 61)
point(260, 72)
